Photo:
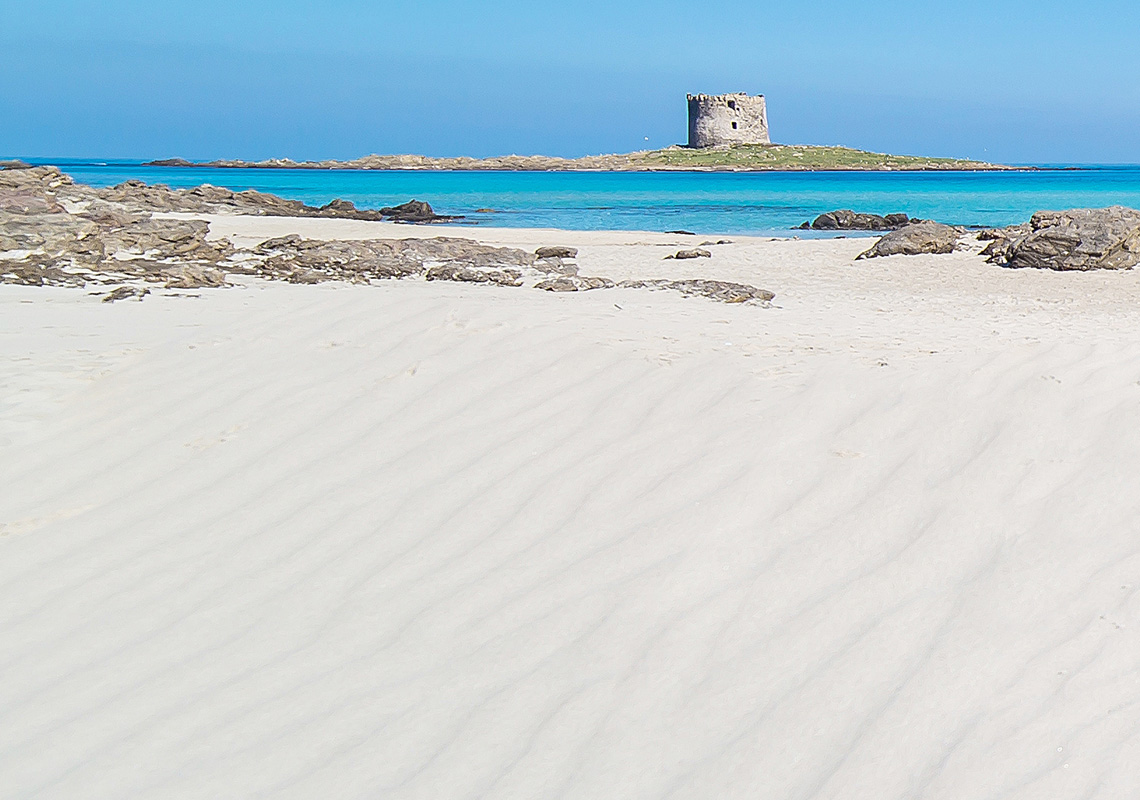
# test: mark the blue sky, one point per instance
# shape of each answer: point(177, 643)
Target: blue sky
point(1016, 81)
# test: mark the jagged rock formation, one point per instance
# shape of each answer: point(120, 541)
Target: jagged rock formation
point(916, 239)
point(1081, 239)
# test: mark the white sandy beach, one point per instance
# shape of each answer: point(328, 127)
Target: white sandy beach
point(437, 540)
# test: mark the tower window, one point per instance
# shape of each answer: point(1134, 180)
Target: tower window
point(734, 126)
point(732, 104)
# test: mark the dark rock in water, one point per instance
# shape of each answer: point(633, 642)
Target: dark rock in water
point(339, 206)
point(848, 220)
point(682, 233)
point(1080, 239)
point(725, 291)
point(556, 252)
point(696, 252)
point(169, 162)
point(916, 239)
point(411, 211)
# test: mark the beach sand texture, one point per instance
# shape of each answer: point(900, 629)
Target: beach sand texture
point(434, 540)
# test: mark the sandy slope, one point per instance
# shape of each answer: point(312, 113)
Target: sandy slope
point(427, 540)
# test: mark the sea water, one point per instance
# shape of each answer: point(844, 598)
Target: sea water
point(764, 203)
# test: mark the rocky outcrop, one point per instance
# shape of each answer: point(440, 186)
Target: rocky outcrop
point(556, 252)
point(848, 220)
point(53, 232)
point(300, 260)
point(1080, 239)
point(574, 283)
point(695, 252)
point(413, 211)
point(916, 239)
point(725, 291)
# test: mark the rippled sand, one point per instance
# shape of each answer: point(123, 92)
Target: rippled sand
point(434, 540)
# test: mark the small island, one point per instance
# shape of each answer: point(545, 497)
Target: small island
point(727, 133)
point(731, 158)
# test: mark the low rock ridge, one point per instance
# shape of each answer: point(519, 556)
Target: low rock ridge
point(53, 232)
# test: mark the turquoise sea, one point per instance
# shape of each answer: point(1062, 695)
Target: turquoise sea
point(768, 203)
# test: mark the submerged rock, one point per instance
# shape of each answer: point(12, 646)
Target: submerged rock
point(1080, 239)
point(916, 239)
point(413, 211)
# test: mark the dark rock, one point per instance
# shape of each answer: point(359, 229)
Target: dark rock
point(682, 233)
point(848, 220)
point(916, 239)
point(339, 206)
point(1080, 239)
point(696, 252)
point(556, 252)
point(411, 211)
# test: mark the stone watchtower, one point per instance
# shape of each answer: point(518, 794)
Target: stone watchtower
point(726, 119)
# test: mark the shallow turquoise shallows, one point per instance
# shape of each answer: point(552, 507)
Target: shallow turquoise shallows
point(768, 203)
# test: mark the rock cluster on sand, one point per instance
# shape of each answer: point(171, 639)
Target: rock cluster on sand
point(725, 291)
point(695, 252)
point(848, 220)
point(54, 232)
point(916, 239)
point(1081, 239)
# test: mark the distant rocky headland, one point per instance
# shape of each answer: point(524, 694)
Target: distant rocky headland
point(735, 158)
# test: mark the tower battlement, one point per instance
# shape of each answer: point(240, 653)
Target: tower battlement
point(727, 119)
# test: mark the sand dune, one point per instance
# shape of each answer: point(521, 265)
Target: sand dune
point(430, 540)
